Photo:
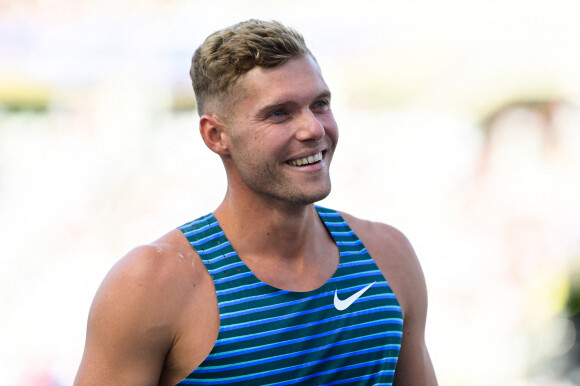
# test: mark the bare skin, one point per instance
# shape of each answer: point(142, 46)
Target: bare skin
point(155, 317)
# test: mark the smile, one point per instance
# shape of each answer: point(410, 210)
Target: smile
point(306, 160)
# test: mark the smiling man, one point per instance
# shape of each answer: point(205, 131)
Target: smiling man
point(268, 288)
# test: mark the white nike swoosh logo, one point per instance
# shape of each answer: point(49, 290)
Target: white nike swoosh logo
point(342, 305)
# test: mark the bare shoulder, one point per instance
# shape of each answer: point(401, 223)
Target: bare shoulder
point(157, 267)
point(396, 259)
point(378, 234)
point(162, 270)
point(139, 312)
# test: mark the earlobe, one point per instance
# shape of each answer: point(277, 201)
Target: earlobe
point(213, 134)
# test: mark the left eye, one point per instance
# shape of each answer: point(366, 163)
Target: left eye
point(278, 114)
point(320, 104)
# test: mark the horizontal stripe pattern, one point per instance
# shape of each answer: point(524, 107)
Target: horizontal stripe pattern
point(270, 336)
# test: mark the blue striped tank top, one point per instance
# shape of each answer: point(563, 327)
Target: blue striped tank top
point(269, 336)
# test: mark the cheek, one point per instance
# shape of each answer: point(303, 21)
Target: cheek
point(331, 128)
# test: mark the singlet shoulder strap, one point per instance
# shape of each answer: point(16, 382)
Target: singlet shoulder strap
point(343, 235)
point(211, 244)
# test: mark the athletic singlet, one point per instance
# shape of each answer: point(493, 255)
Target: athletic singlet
point(269, 336)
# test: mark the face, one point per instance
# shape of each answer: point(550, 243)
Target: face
point(283, 133)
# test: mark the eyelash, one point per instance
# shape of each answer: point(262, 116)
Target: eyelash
point(274, 113)
point(324, 104)
point(281, 113)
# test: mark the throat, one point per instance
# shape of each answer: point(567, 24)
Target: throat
point(301, 271)
point(303, 276)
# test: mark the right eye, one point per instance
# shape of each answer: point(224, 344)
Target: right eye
point(278, 116)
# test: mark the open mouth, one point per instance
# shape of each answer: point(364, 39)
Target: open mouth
point(306, 160)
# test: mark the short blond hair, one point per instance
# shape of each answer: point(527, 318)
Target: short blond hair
point(231, 52)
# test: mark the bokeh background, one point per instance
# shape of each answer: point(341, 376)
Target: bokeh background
point(460, 125)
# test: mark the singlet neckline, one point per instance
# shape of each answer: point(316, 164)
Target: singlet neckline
point(319, 289)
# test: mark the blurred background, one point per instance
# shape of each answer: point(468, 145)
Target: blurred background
point(460, 125)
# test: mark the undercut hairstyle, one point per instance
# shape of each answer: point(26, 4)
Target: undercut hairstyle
point(231, 52)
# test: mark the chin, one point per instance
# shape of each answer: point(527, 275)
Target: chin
point(312, 197)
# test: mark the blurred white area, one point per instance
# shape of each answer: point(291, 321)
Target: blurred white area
point(99, 152)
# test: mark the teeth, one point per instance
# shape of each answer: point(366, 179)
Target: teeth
point(306, 160)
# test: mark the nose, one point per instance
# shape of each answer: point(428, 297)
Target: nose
point(310, 127)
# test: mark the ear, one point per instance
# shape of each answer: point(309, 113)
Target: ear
point(213, 133)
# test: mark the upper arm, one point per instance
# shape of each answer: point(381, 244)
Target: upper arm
point(414, 366)
point(399, 264)
point(128, 333)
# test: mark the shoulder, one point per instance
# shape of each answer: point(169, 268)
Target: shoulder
point(163, 261)
point(384, 242)
point(396, 258)
point(154, 276)
point(142, 309)
point(142, 287)
point(378, 235)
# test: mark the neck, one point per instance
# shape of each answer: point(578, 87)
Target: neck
point(286, 246)
point(268, 228)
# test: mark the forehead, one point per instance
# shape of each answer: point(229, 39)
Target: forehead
point(296, 80)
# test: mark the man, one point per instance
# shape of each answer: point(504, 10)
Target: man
point(269, 288)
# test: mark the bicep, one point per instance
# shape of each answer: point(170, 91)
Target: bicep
point(125, 343)
point(115, 356)
point(414, 366)
point(117, 359)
